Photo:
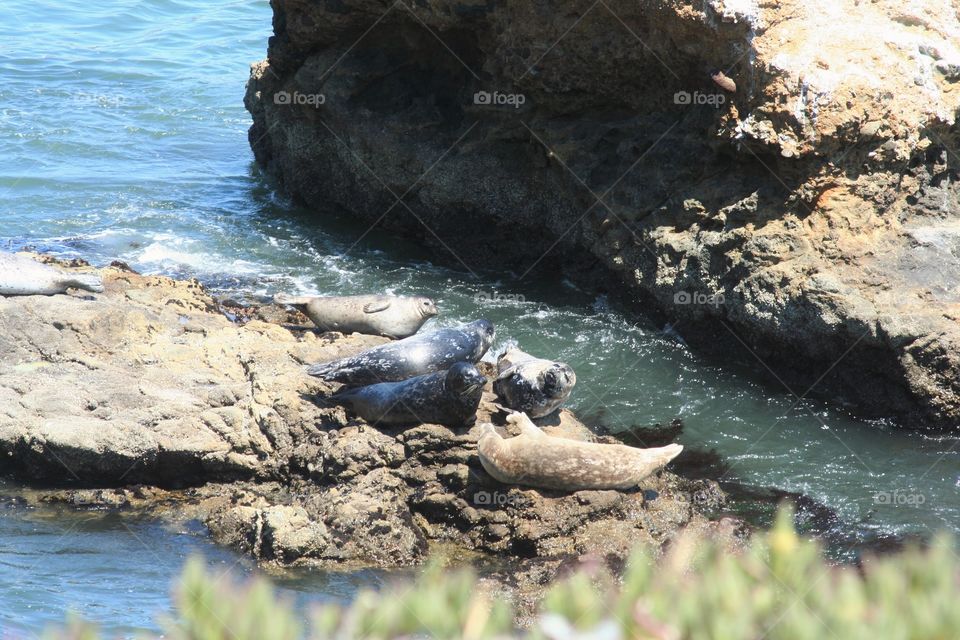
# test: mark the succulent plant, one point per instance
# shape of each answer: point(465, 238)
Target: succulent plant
point(778, 587)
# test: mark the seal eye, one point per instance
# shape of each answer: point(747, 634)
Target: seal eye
point(550, 381)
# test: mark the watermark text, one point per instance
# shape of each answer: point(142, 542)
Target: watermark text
point(686, 98)
point(498, 499)
point(698, 297)
point(497, 99)
point(297, 98)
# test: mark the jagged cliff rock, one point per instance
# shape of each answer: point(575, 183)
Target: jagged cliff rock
point(809, 219)
point(148, 397)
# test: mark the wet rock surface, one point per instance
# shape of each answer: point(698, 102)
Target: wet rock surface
point(808, 219)
point(148, 398)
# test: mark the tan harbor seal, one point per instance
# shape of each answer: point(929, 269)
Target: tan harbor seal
point(532, 385)
point(390, 316)
point(447, 397)
point(414, 356)
point(723, 81)
point(538, 460)
point(21, 275)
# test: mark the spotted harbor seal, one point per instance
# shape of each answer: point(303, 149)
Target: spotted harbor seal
point(390, 316)
point(447, 397)
point(21, 275)
point(414, 356)
point(538, 460)
point(532, 385)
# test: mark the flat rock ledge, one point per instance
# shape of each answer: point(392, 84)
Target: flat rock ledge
point(150, 397)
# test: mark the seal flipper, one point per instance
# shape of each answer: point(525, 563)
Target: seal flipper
point(293, 301)
point(527, 428)
point(87, 282)
point(379, 305)
point(506, 373)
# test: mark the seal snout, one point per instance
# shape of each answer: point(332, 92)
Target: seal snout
point(465, 379)
point(428, 308)
point(558, 379)
point(485, 330)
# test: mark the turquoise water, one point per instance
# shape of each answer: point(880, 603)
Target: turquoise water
point(123, 136)
point(116, 569)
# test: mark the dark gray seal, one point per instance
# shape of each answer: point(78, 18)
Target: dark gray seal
point(414, 356)
point(447, 397)
point(536, 459)
point(21, 275)
point(532, 385)
point(390, 316)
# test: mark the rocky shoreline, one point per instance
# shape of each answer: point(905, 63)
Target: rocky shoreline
point(806, 223)
point(148, 397)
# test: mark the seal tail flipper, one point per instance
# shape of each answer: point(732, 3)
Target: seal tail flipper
point(661, 456)
point(85, 281)
point(343, 398)
point(487, 429)
point(322, 370)
point(282, 298)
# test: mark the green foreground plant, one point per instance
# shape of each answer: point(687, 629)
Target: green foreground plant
point(779, 587)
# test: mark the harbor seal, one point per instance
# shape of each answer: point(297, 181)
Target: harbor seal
point(723, 81)
point(532, 385)
point(390, 316)
point(21, 275)
point(414, 356)
point(447, 397)
point(538, 460)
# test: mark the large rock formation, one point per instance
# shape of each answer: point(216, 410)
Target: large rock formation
point(809, 219)
point(147, 396)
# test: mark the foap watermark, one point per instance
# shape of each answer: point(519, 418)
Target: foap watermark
point(899, 498)
point(297, 98)
point(84, 98)
point(687, 98)
point(698, 297)
point(483, 297)
point(497, 99)
point(498, 499)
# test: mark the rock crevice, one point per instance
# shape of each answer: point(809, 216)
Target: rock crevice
point(810, 214)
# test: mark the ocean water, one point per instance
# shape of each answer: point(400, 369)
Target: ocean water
point(123, 137)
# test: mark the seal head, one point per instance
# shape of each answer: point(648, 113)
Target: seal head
point(532, 385)
point(427, 308)
point(464, 380)
point(484, 331)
